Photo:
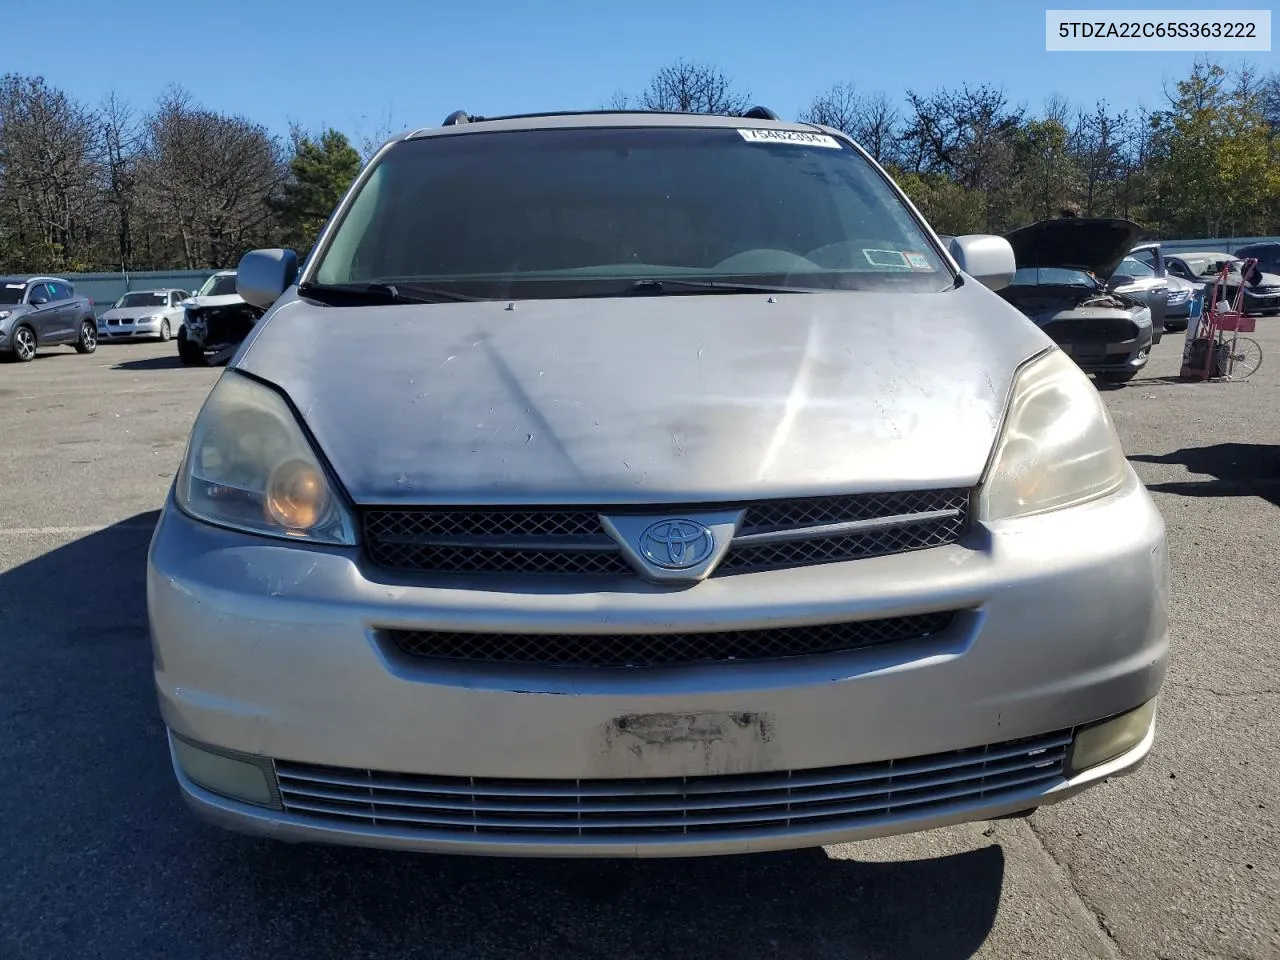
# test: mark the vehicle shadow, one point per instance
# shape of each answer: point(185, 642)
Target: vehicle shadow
point(1138, 383)
point(1238, 470)
point(101, 857)
point(150, 363)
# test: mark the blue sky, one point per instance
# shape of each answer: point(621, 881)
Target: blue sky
point(356, 66)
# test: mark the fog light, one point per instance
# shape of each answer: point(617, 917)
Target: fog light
point(238, 776)
point(1108, 739)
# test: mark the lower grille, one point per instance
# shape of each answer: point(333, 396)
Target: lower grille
point(618, 810)
point(657, 649)
point(1086, 329)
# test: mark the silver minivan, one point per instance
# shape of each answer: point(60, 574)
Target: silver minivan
point(628, 484)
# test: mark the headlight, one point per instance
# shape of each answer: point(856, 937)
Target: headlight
point(1058, 446)
point(249, 466)
point(4, 314)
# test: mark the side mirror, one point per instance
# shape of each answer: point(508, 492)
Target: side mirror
point(262, 275)
point(986, 258)
point(39, 300)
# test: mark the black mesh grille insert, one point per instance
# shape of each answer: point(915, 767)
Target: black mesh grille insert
point(492, 541)
point(771, 515)
point(745, 558)
point(654, 649)
point(573, 541)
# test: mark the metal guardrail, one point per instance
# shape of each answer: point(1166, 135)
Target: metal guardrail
point(1212, 245)
point(104, 289)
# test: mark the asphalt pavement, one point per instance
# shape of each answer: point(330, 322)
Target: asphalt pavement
point(99, 858)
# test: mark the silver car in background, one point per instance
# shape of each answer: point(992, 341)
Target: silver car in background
point(144, 315)
point(646, 485)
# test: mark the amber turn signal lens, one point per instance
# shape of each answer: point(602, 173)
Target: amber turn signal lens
point(296, 495)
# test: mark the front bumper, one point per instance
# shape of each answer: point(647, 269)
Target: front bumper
point(1119, 356)
point(273, 650)
point(138, 330)
point(1254, 302)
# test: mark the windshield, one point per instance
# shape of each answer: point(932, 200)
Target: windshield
point(144, 299)
point(11, 293)
point(219, 286)
point(1131, 267)
point(574, 212)
point(1202, 266)
point(1051, 276)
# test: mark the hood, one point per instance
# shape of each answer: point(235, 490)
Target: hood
point(648, 400)
point(225, 300)
point(133, 313)
point(1075, 243)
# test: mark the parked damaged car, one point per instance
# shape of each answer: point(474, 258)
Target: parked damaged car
point(1064, 268)
point(216, 321)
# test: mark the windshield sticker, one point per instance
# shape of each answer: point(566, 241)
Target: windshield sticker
point(799, 137)
point(886, 258)
point(918, 261)
point(14, 286)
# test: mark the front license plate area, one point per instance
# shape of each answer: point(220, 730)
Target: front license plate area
point(1088, 351)
point(687, 744)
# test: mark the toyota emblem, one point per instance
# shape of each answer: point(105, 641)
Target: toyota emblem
point(676, 544)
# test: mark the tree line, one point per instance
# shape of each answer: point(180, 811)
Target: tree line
point(108, 187)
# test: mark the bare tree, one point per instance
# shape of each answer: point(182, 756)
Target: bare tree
point(122, 143)
point(1270, 96)
point(686, 87)
point(839, 106)
point(371, 142)
point(1099, 140)
point(50, 172)
point(214, 176)
point(968, 136)
point(620, 100)
point(872, 119)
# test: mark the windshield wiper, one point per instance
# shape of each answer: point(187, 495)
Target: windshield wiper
point(659, 287)
point(364, 293)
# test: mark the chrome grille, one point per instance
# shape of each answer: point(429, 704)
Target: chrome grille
point(656, 649)
point(774, 534)
point(623, 809)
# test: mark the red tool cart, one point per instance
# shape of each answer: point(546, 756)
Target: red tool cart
point(1214, 349)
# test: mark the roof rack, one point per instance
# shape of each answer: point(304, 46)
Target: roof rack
point(457, 117)
point(461, 116)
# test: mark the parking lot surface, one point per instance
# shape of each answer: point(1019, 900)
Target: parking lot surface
point(99, 858)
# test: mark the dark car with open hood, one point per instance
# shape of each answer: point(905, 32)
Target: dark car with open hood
point(1064, 284)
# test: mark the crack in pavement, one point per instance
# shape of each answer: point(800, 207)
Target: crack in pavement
point(1107, 937)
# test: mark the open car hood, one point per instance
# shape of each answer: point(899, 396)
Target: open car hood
point(1075, 243)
